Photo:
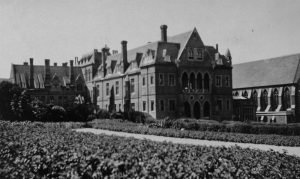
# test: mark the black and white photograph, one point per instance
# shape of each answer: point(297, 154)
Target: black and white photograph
point(93, 89)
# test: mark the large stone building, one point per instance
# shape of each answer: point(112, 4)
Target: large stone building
point(175, 76)
point(51, 84)
point(273, 84)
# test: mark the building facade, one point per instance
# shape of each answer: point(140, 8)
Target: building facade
point(55, 84)
point(273, 86)
point(176, 76)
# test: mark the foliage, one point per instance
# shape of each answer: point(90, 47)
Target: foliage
point(229, 126)
point(126, 126)
point(45, 150)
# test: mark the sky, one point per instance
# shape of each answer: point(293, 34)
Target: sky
point(60, 30)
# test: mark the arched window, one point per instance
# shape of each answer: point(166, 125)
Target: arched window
point(187, 110)
point(274, 99)
point(197, 110)
point(236, 94)
point(254, 98)
point(245, 94)
point(192, 81)
point(199, 81)
point(286, 102)
point(206, 81)
point(264, 100)
point(206, 109)
point(184, 80)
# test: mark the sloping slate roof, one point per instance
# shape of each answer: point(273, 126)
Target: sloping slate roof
point(274, 71)
point(39, 71)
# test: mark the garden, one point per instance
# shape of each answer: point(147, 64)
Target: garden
point(53, 150)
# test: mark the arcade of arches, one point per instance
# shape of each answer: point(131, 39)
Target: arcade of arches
point(195, 81)
point(270, 101)
point(196, 109)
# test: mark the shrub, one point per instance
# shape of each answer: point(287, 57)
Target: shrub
point(102, 114)
point(27, 150)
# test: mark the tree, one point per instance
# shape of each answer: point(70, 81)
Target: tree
point(7, 92)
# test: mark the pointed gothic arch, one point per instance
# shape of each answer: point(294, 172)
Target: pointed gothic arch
point(197, 113)
point(286, 101)
point(184, 80)
point(199, 81)
point(187, 109)
point(274, 99)
point(206, 81)
point(264, 100)
point(192, 81)
point(206, 109)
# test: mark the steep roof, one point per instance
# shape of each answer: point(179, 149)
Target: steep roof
point(21, 74)
point(268, 72)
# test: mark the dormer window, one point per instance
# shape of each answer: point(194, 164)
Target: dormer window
point(190, 53)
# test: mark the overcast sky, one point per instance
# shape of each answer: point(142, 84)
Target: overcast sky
point(62, 29)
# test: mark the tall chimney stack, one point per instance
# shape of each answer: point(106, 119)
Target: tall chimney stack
point(217, 47)
point(71, 73)
point(105, 51)
point(47, 73)
point(31, 79)
point(163, 29)
point(124, 53)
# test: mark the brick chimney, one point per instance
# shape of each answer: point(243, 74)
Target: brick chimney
point(124, 53)
point(31, 72)
point(217, 47)
point(71, 73)
point(55, 64)
point(163, 29)
point(105, 51)
point(47, 73)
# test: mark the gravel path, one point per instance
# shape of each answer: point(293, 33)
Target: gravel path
point(290, 150)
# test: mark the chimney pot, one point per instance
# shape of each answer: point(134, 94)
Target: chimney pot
point(72, 77)
point(163, 29)
point(55, 64)
point(25, 63)
point(217, 47)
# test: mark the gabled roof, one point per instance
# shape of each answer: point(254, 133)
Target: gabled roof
point(268, 72)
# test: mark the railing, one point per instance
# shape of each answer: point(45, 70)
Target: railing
point(195, 91)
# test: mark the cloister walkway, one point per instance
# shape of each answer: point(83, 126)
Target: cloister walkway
point(290, 150)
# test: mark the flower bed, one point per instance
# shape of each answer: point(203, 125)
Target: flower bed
point(125, 126)
point(38, 150)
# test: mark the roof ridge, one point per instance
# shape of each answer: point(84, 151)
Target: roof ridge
point(282, 56)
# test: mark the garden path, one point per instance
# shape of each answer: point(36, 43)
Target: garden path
point(289, 150)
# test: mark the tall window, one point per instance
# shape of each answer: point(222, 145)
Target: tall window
point(97, 91)
point(286, 101)
point(144, 81)
point(151, 79)
point(144, 105)
point(227, 81)
point(152, 105)
point(218, 80)
point(171, 80)
point(132, 85)
point(184, 80)
point(199, 81)
point(192, 81)
point(161, 79)
point(117, 87)
point(254, 98)
point(172, 105)
point(206, 81)
point(107, 89)
point(162, 105)
point(274, 100)
point(264, 100)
